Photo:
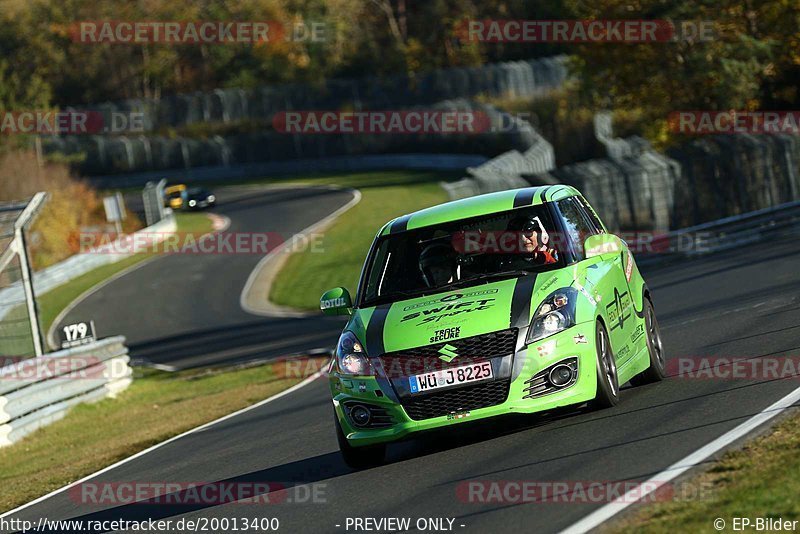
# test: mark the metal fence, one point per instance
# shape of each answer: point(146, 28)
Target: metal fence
point(509, 79)
point(19, 325)
point(107, 155)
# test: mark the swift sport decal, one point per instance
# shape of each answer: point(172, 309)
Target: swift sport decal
point(434, 315)
point(450, 298)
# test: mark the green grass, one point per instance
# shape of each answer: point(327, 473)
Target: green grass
point(385, 195)
point(15, 336)
point(760, 480)
point(155, 407)
point(15, 333)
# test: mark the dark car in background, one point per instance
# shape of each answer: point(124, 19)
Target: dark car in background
point(197, 198)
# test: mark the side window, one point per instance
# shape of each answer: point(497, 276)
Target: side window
point(576, 225)
point(591, 216)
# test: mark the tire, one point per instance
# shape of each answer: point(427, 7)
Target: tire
point(656, 371)
point(607, 381)
point(359, 457)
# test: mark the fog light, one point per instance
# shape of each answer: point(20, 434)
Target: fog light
point(360, 415)
point(561, 375)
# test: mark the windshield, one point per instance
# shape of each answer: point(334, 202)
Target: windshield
point(461, 253)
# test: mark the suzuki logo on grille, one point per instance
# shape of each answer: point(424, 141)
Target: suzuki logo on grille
point(448, 352)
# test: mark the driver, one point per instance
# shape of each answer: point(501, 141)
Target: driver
point(437, 263)
point(533, 240)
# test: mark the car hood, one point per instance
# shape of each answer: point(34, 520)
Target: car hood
point(454, 314)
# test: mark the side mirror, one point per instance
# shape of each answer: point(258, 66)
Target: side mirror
point(598, 244)
point(336, 301)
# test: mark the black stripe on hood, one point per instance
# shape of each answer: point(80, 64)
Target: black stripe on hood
point(374, 336)
point(521, 301)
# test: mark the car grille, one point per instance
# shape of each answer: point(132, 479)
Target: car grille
point(457, 400)
point(484, 346)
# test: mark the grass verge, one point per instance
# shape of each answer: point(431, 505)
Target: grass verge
point(155, 407)
point(385, 195)
point(758, 480)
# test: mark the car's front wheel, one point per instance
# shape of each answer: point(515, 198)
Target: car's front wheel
point(655, 348)
point(358, 457)
point(607, 381)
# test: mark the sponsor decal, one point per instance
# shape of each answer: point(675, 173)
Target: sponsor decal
point(434, 315)
point(545, 349)
point(457, 415)
point(547, 285)
point(450, 298)
point(624, 351)
point(580, 339)
point(445, 334)
point(448, 353)
point(332, 303)
point(586, 293)
point(637, 334)
point(618, 311)
point(629, 267)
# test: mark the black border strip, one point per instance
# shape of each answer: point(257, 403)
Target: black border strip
point(524, 197)
point(400, 224)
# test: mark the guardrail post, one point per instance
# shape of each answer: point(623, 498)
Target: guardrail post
point(18, 244)
point(27, 284)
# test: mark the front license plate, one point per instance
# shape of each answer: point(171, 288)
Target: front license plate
point(450, 377)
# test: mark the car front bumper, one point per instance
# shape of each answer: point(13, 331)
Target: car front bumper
point(577, 342)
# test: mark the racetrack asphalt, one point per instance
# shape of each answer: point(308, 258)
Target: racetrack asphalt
point(738, 303)
point(183, 310)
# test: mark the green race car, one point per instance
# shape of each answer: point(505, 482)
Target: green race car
point(513, 302)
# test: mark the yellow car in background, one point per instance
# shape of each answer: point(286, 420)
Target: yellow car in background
point(173, 196)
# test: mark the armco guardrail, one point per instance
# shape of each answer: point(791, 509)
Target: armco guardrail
point(39, 391)
point(75, 266)
point(719, 235)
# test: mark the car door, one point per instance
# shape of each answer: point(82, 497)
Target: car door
point(604, 275)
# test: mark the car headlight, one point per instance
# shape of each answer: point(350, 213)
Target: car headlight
point(350, 356)
point(554, 314)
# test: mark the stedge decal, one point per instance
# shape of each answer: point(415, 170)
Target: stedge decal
point(434, 315)
point(619, 310)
